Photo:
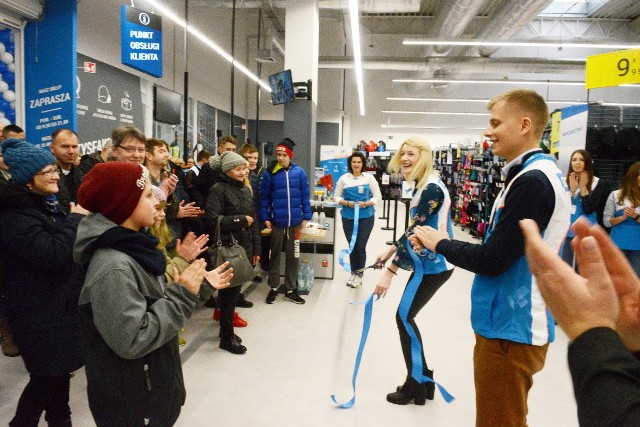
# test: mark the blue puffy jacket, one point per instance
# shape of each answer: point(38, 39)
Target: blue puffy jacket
point(284, 196)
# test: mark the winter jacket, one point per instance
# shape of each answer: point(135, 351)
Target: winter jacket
point(129, 322)
point(42, 281)
point(284, 195)
point(68, 185)
point(232, 199)
point(210, 173)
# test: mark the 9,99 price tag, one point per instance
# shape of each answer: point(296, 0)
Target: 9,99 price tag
point(613, 69)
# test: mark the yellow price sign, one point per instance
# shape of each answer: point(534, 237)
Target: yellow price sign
point(613, 69)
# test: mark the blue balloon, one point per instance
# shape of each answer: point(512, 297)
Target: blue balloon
point(10, 115)
point(5, 36)
point(3, 68)
point(10, 47)
point(4, 106)
point(9, 77)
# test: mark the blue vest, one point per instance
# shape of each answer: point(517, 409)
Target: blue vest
point(357, 193)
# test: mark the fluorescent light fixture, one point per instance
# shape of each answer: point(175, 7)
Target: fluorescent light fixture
point(483, 101)
point(496, 81)
point(357, 57)
point(386, 126)
point(519, 43)
point(434, 113)
point(207, 41)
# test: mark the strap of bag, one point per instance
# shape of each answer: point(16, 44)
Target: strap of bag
point(218, 239)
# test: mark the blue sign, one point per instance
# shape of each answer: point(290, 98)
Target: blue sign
point(50, 62)
point(141, 39)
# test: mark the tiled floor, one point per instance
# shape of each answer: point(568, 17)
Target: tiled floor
point(299, 355)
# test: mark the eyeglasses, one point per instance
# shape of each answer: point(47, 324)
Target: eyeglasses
point(49, 173)
point(132, 150)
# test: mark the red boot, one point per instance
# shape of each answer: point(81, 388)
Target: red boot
point(238, 322)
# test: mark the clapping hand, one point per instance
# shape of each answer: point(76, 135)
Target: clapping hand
point(189, 210)
point(191, 246)
point(220, 277)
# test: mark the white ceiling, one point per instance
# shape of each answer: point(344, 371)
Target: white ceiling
point(386, 23)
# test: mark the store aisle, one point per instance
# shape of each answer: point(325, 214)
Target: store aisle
point(298, 355)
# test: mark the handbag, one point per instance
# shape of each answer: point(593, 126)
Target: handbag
point(235, 254)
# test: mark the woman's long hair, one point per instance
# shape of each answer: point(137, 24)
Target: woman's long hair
point(588, 167)
point(162, 231)
point(422, 169)
point(629, 188)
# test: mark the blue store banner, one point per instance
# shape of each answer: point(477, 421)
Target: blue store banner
point(141, 40)
point(50, 62)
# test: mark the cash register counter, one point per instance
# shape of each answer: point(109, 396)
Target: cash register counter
point(319, 248)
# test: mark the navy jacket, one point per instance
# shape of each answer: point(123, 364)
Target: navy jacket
point(42, 281)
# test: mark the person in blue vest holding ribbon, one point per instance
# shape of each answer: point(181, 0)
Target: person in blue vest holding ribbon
point(361, 189)
point(429, 206)
point(587, 194)
point(512, 325)
point(622, 214)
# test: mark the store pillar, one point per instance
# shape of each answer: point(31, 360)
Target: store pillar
point(301, 56)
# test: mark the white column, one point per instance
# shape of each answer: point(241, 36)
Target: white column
point(302, 40)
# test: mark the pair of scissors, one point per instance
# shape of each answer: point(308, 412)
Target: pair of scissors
point(377, 266)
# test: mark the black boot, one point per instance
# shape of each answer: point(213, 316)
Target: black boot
point(242, 302)
point(411, 390)
point(237, 338)
point(232, 345)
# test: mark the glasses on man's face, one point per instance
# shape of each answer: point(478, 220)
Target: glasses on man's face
point(49, 173)
point(132, 150)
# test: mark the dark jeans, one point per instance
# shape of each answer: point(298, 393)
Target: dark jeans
point(427, 289)
point(227, 305)
point(265, 246)
point(358, 257)
point(50, 394)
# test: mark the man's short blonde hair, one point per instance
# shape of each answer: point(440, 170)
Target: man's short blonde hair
point(529, 103)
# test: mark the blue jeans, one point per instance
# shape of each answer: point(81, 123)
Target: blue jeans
point(634, 259)
point(358, 256)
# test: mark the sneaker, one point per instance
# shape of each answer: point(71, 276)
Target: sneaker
point(271, 298)
point(350, 281)
point(293, 297)
point(357, 281)
point(243, 303)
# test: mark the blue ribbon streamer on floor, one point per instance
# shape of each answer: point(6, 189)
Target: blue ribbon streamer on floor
point(368, 310)
point(352, 243)
point(403, 310)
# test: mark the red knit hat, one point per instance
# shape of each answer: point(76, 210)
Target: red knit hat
point(113, 189)
point(286, 145)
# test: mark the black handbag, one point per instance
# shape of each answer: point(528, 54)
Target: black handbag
point(235, 254)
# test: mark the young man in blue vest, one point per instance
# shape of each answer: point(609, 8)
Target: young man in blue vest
point(512, 325)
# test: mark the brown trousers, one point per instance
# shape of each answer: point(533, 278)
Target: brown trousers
point(503, 373)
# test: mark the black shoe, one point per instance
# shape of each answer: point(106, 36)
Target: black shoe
point(411, 390)
point(293, 297)
point(233, 346)
point(235, 336)
point(257, 279)
point(210, 303)
point(242, 302)
point(271, 298)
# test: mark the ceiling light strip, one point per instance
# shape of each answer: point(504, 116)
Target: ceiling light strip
point(357, 57)
point(387, 126)
point(516, 43)
point(434, 113)
point(497, 81)
point(208, 42)
point(484, 101)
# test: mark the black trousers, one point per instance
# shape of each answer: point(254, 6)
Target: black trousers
point(227, 305)
point(427, 289)
point(44, 394)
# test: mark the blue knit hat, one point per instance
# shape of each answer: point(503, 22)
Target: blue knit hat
point(24, 159)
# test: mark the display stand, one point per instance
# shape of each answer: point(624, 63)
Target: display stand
point(320, 249)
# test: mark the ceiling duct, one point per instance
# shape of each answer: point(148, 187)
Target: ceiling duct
point(509, 21)
point(451, 22)
point(29, 10)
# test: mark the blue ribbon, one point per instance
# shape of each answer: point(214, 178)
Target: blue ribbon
point(354, 236)
point(403, 310)
point(368, 310)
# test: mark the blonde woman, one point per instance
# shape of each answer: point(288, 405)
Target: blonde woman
point(429, 206)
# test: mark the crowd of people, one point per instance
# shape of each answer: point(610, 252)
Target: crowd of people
point(103, 260)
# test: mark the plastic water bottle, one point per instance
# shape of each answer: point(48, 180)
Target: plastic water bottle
point(314, 217)
point(322, 218)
